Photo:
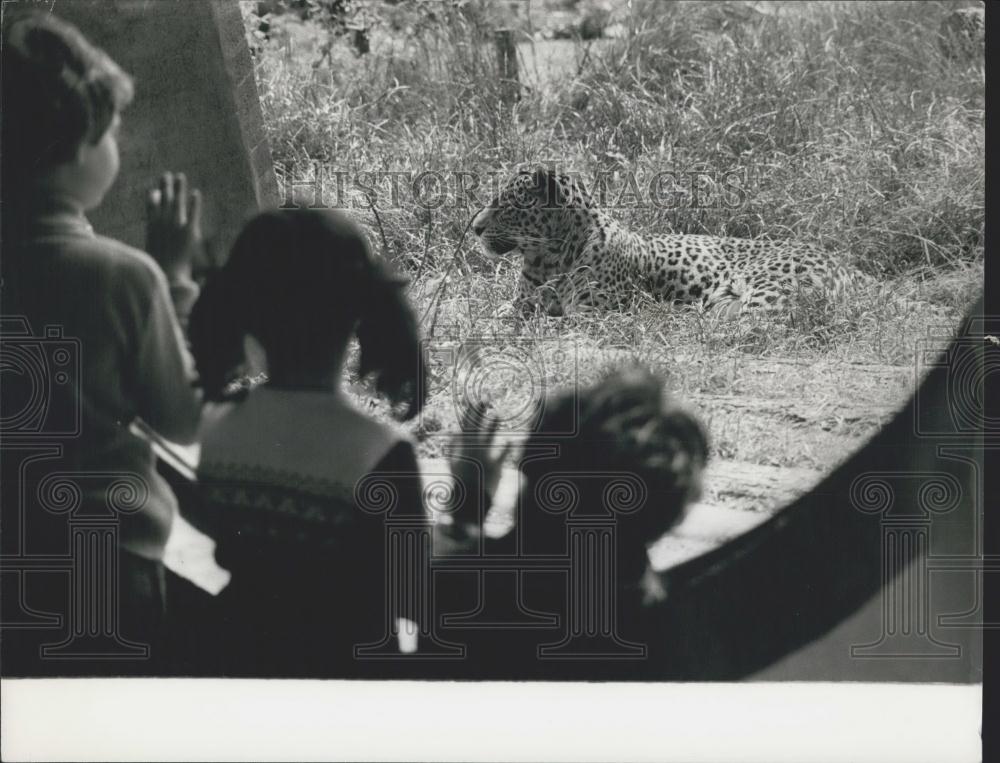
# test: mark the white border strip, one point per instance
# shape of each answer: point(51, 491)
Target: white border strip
point(173, 719)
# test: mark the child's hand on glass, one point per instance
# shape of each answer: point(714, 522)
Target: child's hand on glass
point(474, 456)
point(173, 226)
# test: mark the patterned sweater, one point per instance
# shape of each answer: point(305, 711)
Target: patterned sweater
point(278, 475)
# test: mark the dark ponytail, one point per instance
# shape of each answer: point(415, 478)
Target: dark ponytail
point(230, 302)
point(301, 281)
point(216, 328)
point(390, 344)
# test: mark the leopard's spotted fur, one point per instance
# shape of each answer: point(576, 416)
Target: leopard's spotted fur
point(962, 33)
point(576, 255)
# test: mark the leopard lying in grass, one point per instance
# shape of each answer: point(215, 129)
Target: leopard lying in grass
point(576, 256)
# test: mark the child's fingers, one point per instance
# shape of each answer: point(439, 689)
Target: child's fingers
point(167, 190)
point(180, 198)
point(492, 425)
point(482, 422)
point(194, 209)
point(472, 415)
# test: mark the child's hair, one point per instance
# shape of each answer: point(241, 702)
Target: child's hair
point(625, 423)
point(302, 282)
point(58, 92)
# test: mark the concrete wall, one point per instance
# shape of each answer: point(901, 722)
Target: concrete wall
point(196, 109)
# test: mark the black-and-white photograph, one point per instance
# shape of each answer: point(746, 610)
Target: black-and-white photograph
point(465, 346)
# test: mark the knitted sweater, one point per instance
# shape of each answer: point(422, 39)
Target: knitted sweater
point(281, 477)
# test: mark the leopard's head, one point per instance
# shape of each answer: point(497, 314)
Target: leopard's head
point(536, 213)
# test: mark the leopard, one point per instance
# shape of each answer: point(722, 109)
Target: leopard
point(577, 257)
point(962, 34)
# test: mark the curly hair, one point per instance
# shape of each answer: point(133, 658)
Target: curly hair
point(625, 424)
point(58, 92)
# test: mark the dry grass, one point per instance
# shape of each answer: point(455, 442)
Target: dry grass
point(852, 131)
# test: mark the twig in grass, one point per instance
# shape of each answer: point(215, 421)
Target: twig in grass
point(586, 57)
point(384, 96)
point(381, 230)
point(436, 297)
point(442, 285)
point(427, 245)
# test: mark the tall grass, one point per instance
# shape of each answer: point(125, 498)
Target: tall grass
point(846, 125)
point(852, 130)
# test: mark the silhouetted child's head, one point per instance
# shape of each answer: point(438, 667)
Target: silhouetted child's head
point(61, 100)
point(303, 282)
point(624, 424)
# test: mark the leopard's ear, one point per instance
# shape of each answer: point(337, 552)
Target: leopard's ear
point(547, 186)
